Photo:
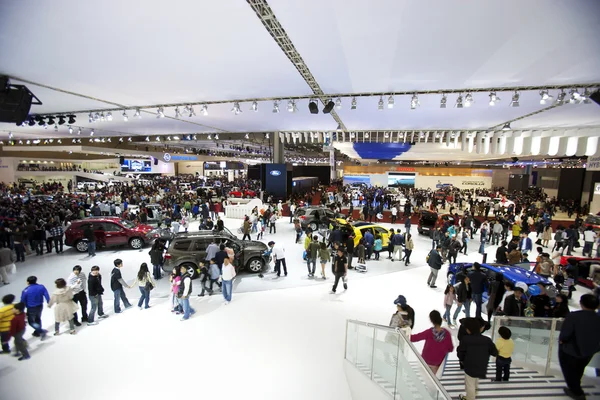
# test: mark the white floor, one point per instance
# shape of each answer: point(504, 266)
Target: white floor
point(267, 344)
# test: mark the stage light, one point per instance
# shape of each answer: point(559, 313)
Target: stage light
point(70, 129)
point(195, 137)
point(545, 97)
point(191, 111)
point(275, 107)
point(160, 112)
point(313, 107)
point(339, 128)
point(493, 99)
point(506, 127)
point(177, 112)
point(414, 102)
point(267, 135)
point(129, 139)
point(353, 106)
point(515, 100)
point(391, 102)
point(380, 104)
point(328, 107)
point(366, 135)
point(61, 120)
point(204, 110)
point(236, 108)
point(386, 135)
point(71, 119)
point(109, 116)
point(55, 127)
point(102, 117)
point(92, 133)
point(96, 117)
point(443, 101)
point(45, 125)
point(121, 140)
point(338, 104)
point(125, 116)
point(246, 136)
point(459, 101)
point(90, 118)
point(157, 139)
point(209, 137)
point(468, 100)
point(216, 136)
point(137, 113)
point(575, 97)
point(254, 106)
point(560, 99)
point(79, 131)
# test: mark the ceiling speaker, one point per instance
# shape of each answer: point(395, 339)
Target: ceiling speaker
point(328, 107)
point(313, 108)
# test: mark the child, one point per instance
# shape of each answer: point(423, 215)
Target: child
point(377, 246)
point(325, 257)
point(175, 279)
point(214, 275)
point(6, 316)
point(360, 251)
point(204, 277)
point(449, 300)
point(505, 346)
point(260, 228)
point(17, 329)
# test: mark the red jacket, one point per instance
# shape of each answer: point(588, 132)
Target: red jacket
point(17, 324)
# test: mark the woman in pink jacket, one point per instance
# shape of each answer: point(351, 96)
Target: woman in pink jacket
point(438, 342)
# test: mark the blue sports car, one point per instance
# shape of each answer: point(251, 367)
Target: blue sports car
point(511, 273)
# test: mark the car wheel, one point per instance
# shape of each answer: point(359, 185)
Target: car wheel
point(192, 270)
point(451, 279)
point(313, 226)
point(82, 246)
point(136, 243)
point(255, 265)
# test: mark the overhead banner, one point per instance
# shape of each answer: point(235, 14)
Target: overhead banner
point(593, 163)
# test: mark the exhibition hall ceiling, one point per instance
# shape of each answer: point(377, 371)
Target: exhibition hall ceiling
point(78, 57)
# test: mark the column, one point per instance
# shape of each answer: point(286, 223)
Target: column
point(332, 173)
point(278, 150)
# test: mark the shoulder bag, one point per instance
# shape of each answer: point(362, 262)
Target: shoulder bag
point(149, 286)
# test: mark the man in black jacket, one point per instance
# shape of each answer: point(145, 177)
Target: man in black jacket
point(350, 249)
point(116, 285)
point(502, 253)
point(453, 249)
point(474, 353)
point(579, 340)
point(514, 305)
point(478, 281)
point(88, 234)
point(95, 291)
point(435, 264)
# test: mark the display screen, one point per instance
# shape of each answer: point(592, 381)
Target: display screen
point(350, 179)
point(136, 166)
point(401, 179)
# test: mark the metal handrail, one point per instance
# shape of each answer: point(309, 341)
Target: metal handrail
point(433, 377)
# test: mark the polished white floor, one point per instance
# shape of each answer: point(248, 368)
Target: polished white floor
point(266, 344)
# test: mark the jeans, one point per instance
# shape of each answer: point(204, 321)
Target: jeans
point(477, 299)
point(368, 252)
point(272, 228)
point(227, 289)
point(34, 318)
point(81, 298)
point(20, 250)
point(21, 344)
point(71, 325)
point(452, 256)
point(337, 280)
point(58, 244)
point(398, 251)
point(156, 271)
point(587, 248)
point(432, 276)
point(502, 368)
point(467, 305)
point(377, 254)
point(120, 295)
point(185, 304)
point(145, 297)
point(91, 248)
point(314, 265)
point(407, 254)
point(246, 235)
point(4, 337)
point(447, 313)
point(49, 245)
point(96, 304)
point(572, 369)
point(38, 246)
point(278, 264)
point(434, 244)
point(495, 238)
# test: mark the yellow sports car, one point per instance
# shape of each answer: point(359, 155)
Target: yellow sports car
point(360, 228)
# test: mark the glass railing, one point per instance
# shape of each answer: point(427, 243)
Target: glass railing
point(390, 360)
point(536, 340)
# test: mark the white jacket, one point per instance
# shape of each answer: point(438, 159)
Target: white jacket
point(228, 272)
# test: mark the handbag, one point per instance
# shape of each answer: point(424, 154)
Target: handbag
point(149, 286)
point(11, 268)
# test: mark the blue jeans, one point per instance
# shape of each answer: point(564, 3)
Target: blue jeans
point(92, 248)
point(314, 265)
point(477, 299)
point(227, 289)
point(467, 305)
point(120, 295)
point(447, 313)
point(96, 304)
point(34, 318)
point(145, 297)
point(20, 250)
point(185, 304)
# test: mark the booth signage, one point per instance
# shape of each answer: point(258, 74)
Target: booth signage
point(593, 163)
point(167, 157)
point(597, 188)
point(275, 172)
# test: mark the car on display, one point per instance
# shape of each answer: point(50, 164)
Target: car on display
point(581, 265)
point(359, 229)
point(517, 275)
point(316, 217)
point(504, 202)
point(428, 221)
point(592, 221)
point(245, 193)
point(189, 250)
point(38, 197)
point(109, 232)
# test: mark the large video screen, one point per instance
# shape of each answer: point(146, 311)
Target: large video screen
point(401, 179)
point(364, 179)
point(136, 166)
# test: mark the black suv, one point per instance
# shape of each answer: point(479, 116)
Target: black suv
point(316, 217)
point(189, 249)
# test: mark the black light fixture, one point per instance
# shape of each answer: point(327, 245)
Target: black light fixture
point(313, 107)
point(40, 121)
point(514, 159)
point(328, 107)
point(51, 120)
point(31, 121)
point(61, 119)
point(71, 119)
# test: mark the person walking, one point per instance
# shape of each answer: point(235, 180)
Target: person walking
point(96, 290)
point(33, 296)
point(116, 285)
point(145, 284)
point(246, 228)
point(90, 237)
point(78, 283)
point(311, 256)
point(156, 258)
point(377, 246)
point(325, 257)
point(463, 298)
point(184, 292)
point(6, 260)
point(6, 316)
point(438, 342)
point(57, 236)
point(17, 330)
point(589, 237)
point(505, 346)
point(272, 222)
point(407, 224)
point(578, 342)
point(435, 264)
point(340, 269)
point(278, 258)
point(478, 282)
point(227, 276)
point(449, 300)
point(453, 250)
point(390, 248)
point(65, 308)
point(398, 241)
point(408, 249)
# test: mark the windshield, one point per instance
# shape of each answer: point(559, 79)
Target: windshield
point(127, 224)
point(593, 220)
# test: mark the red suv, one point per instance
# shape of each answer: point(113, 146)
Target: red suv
point(109, 232)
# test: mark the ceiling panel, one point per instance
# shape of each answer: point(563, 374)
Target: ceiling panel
point(387, 45)
point(568, 115)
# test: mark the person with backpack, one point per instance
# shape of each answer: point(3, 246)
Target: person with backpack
point(184, 292)
point(435, 264)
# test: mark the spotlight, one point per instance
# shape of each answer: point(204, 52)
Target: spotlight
point(90, 118)
point(443, 101)
point(338, 104)
point(177, 113)
point(209, 137)
point(246, 136)
point(125, 116)
point(109, 116)
point(61, 120)
point(586, 97)
point(544, 97)
point(380, 104)
point(216, 136)
point(366, 135)
point(70, 129)
point(468, 100)
point(79, 131)
point(459, 101)
point(102, 117)
point(45, 125)
point(291, 106)
point(195, 137)
point(339, 128)
point(266, 135)
point(328, 107)
point(313, 107)
point(515, 100)
point(391, 102)
point(236, 108)
point(20, 142)
point(147, 138)
point(386, 135)
point(55, 127)
point(560, 99)
point(71, 119)
point(121, 140)
point(575, 97)
point(92, 133)
point(137, 113)
point(96, 117)
point(414, 102)
point(204, 110)
point(160, 113)
point(506, 127)
point(275, 107)
point(169, 138)
point(129, 139)
point(254, 106)
point(158, 139)
point(31, 121)
point(28, 142)
point(353, 107)
point(51, 121)
point(73, 141)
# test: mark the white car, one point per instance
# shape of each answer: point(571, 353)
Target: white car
point(185, 186)
point(89, 185)
point(144, 182)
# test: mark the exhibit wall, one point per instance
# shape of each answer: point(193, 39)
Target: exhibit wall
point(7, 169)
point(460, 182)
point(190, 167)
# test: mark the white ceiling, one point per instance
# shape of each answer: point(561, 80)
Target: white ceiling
point(126, 54)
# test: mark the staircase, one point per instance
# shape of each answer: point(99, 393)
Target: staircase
point(524, 383)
